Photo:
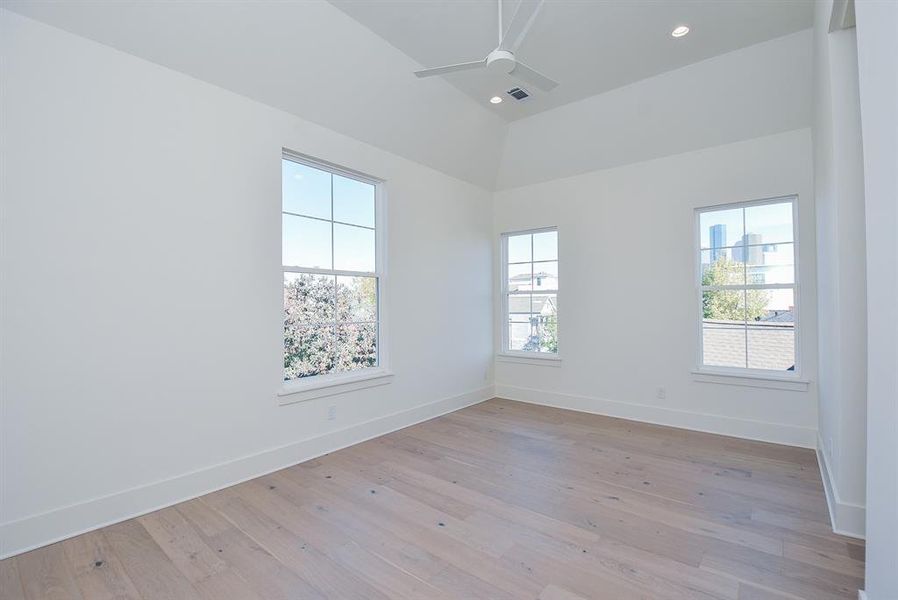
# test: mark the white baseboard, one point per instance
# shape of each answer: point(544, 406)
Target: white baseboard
point(790, 435)
point(861, 595)
point(847, 518)
point(49, 527)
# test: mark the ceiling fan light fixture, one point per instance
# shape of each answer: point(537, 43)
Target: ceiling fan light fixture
point(680, 31)
point(501, 60)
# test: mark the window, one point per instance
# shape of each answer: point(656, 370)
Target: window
point(748, 291)
point(332, 269)
point(530, 291)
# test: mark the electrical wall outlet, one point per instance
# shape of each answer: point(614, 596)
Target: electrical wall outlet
point(331, 413)
point(661, 393)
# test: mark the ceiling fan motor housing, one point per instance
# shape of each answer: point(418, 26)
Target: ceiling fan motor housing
point(501, 61)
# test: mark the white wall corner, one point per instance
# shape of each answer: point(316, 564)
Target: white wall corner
point(847, 518)
point(46, 528)
point(842, 16)
point(777, 433)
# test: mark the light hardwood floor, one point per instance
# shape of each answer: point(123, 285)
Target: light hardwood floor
point(499, 500)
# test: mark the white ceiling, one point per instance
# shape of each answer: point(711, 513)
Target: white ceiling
point(348, 64)
point(589, 46)
point(305, 57)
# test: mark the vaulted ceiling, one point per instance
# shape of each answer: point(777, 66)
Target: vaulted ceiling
point(588, 46)
point(348, 64)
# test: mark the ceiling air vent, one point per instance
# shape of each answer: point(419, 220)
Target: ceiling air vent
point(518, 93)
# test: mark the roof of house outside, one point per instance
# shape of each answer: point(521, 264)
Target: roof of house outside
point(771, 345)
point(542, 303)
point(779, 316)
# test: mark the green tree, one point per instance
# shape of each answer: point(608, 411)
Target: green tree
point(549, 334)
point(731, 305)
point(330, 324)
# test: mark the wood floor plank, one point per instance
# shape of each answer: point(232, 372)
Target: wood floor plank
point(619, 447)
point(825, 560)
point(663, 477)
point(10, 582)
point(151, 571)
point(367, 531)
point(286, 544)
point(98, 572)
point(227, 584)
point(752, 592)
point(350, 485)
point(437, 546)
point(455, 583)
point(389, 579)
point(779, 573)
point(639, 503)
point(182, 544)
point(617, 560)
point(520, 487)
point(556, 592)
point(500, 500)
point(46, 574)
point(269, 577)
point(586, 583)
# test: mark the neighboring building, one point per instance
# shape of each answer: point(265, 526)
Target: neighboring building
point(718, 234)
point(776, 266)
point(527, 317)
point(543, 280)
point(749, 250)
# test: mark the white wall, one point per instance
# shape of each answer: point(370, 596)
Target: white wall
point(628, 288)
point(141, 288)
point(747, 93)
point(839, 191)
point(307, 58)
point(877, 46)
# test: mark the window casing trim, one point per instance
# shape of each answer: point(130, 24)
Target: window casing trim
point(297, 390)
point(752, 379)
point(713, 371)
point(505, 354)
point(300, 390)
point(525, 358)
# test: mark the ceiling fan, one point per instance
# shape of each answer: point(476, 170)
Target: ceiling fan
point(502, 59)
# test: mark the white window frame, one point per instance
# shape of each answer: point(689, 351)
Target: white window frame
point(505, 354)
point(317, 386)
point(708, 373)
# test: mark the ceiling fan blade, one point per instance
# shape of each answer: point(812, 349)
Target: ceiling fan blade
point(520, 24)
point(478, 64)
point(532, 76)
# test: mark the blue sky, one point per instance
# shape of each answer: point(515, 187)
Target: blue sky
point(772, 221)
point(545, 247)
point(307, 241)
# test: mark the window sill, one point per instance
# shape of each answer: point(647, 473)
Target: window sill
point(751, 380)
point(325, 385)
point(542, 361)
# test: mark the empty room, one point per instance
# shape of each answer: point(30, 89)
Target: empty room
point(449, 299)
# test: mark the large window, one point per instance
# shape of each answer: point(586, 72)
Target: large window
point(530, 292)
point(748, 291)
point(332, 271)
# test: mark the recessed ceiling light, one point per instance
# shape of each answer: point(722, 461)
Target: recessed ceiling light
point(495, 100)
point(680, 31)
